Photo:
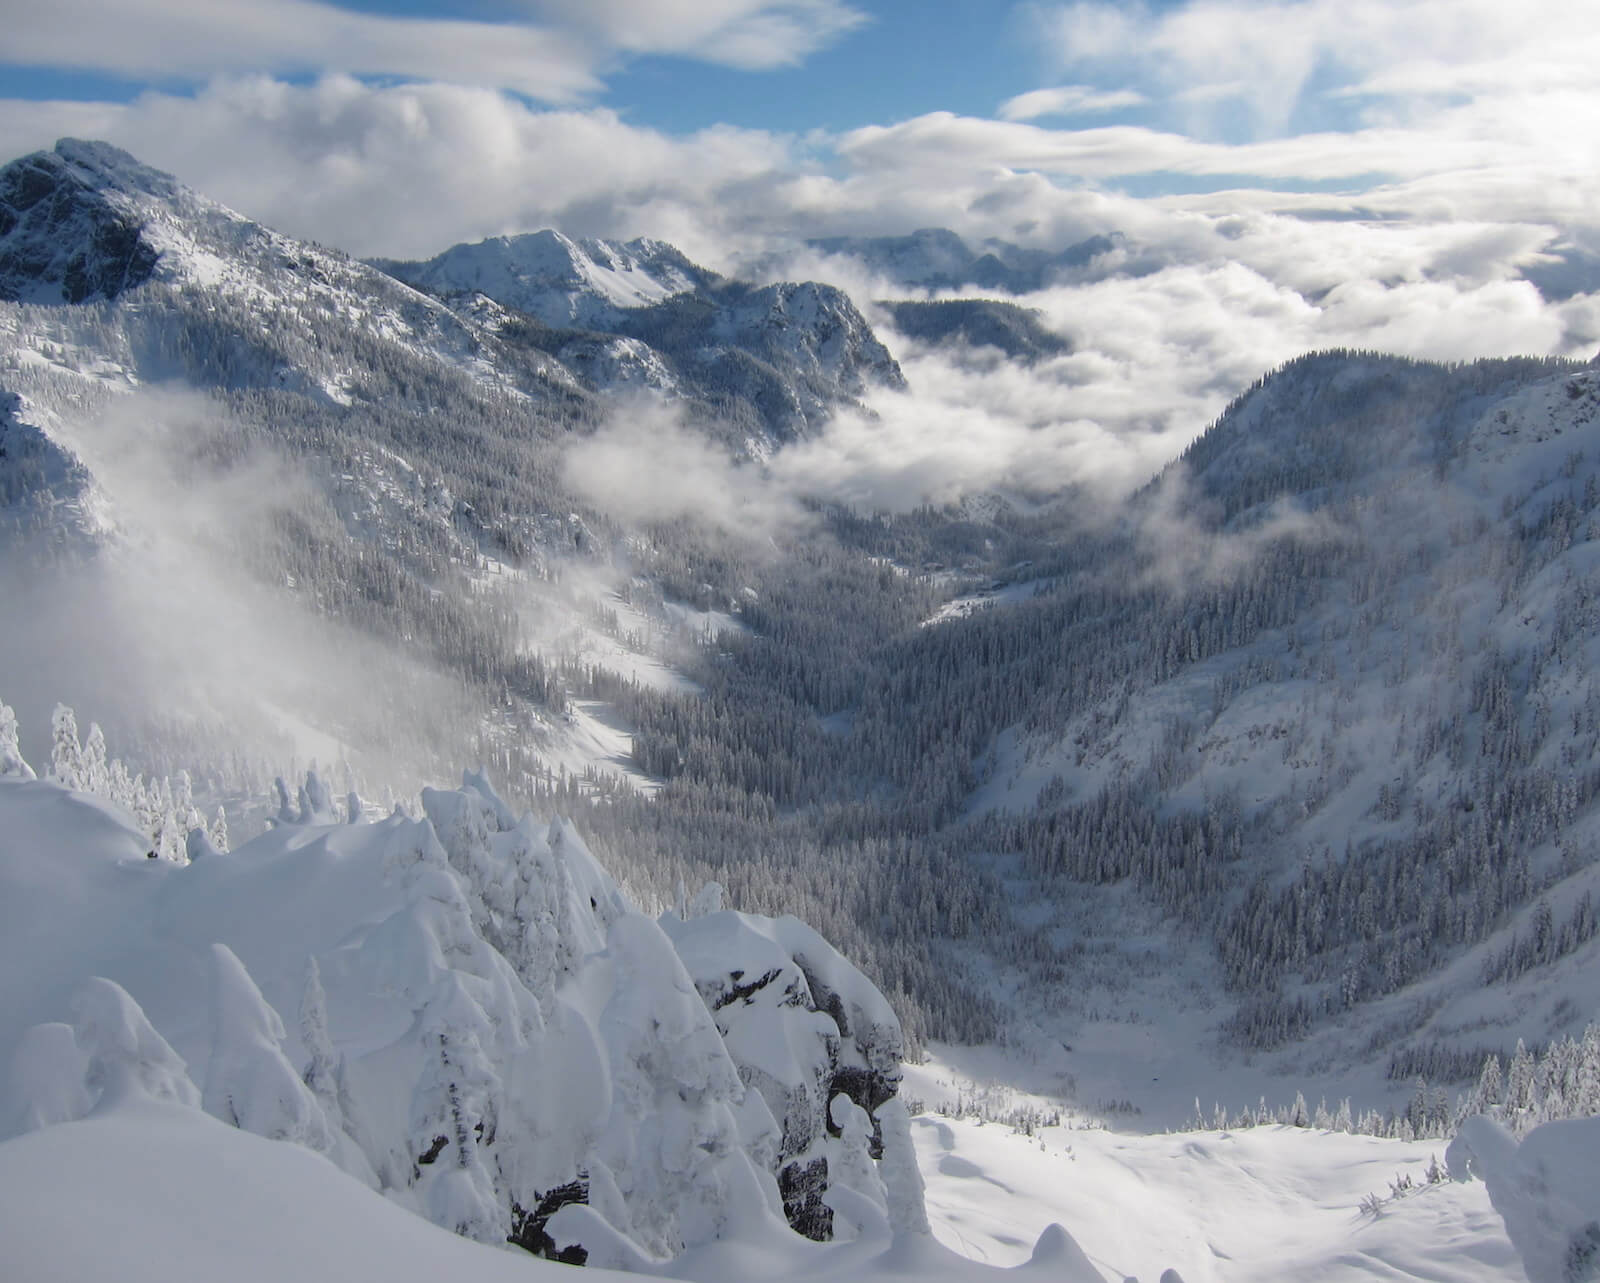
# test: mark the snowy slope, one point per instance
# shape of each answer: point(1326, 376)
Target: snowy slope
point(1254, 1206)
point(139, 1097)
point(178, 1195)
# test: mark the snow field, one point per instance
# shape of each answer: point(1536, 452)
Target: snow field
point(1261, 1205)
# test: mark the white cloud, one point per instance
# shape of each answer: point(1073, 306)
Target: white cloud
point(1067, 100)
point(645, 465)
point(751, 34)
point(196, 39)
point(1460, 142)
point(406, 170)
point(1276, 56)
point(1157, 357)
point(560, 57)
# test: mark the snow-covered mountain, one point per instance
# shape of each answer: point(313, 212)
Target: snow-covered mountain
point(1324, 695)
point(87, 223)
point(565, 283)
point(151, 338)
point(774, 361)
point(1017, 332)
point(1283, 779)
point(1362, 547)
point(935, 258)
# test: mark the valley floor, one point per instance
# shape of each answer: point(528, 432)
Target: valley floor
point(1264, 1204)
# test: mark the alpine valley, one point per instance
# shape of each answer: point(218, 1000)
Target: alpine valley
point(832, 890)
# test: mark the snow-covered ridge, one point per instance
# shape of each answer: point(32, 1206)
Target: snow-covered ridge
point(86, 223)
point(626, 316)
point(480, 1025)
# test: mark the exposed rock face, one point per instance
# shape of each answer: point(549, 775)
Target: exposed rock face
point(528, 1228)
point(802, 1184)
point(803, 1026)
point(65, 236)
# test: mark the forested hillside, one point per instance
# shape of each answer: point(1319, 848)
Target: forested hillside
point(1323, 695)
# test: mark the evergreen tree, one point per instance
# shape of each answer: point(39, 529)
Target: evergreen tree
point(11, 762)
point(66, 754)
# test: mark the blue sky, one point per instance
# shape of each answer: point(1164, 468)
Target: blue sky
point(905, 59)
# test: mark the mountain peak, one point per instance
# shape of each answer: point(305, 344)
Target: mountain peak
point(61, 239)
point(561, 280)
point(99, 164)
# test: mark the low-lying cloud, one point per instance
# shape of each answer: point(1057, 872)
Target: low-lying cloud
point(180, 651)
point(645, 465)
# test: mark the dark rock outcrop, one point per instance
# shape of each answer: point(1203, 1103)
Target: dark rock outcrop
point(803, 1026)
point(64, 235)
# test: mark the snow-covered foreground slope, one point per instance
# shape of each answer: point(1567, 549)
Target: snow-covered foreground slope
point(483, 1031)
point(486, 1031)
point(156, 1192)
point(487, 1036)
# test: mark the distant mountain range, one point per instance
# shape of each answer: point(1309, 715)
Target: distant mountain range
point(775, 360)
point(937, 258)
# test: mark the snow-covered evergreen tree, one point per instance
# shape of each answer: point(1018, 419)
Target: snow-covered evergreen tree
point(850, 1167)
point(127, 1058)
point(46, 1083)
point(902, 1180)
point(249, 1081)
point(66, 754)
point(11, 762)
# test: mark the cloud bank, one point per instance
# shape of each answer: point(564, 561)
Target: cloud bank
point(1281, 175)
